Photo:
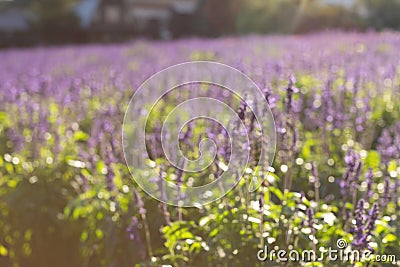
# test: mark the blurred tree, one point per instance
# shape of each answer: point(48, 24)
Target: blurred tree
point(381, 14)
point(269, 16)
point(53, 21)
point(54, 14)
point(321, 17)
point(293, 16)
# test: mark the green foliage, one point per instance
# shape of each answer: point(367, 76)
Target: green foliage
point(268, 16)
point(290, 16)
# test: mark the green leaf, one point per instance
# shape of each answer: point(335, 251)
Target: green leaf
point(214, 232)
point(84, 236)
point(99, 233)
point(389, 238)
point(373, 160)
point(12, 183)
point(186, 235)
point(278, 193)
point(3, 251)
point(4, 119)
point(80, 136)
point(195, 247)
point(392, 166)
point(314, 264)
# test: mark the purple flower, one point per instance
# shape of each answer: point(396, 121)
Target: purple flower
point(351, 177)
point(364, 225)
point(139, 202)
point(385, 198)
point(110, 179)
point(132, 229)
point(290, 90)
point(351, 158)
point(370, 181)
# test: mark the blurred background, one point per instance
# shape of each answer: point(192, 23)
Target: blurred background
point(28, 22)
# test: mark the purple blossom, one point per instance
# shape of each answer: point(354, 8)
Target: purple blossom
point(139, 202)
point(364, 225)
point(370, 182)
point(290, 90)
point(132, 229)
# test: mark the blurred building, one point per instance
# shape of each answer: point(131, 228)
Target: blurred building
point(156, 18)
point(344, 3)
point(104, 20)
point(14, 25)
point(14, 19)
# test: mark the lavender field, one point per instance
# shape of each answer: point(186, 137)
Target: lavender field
point(67, 197)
